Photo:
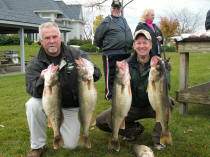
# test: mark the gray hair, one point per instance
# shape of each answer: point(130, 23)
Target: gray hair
point(48, 24)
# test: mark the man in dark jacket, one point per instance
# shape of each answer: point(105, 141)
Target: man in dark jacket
point(139, 67)
point(53, 51)
point(207, 22)
point(114, 37)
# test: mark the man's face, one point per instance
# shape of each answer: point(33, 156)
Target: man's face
point(142, 46)
point(51, 41)
point(116, 11)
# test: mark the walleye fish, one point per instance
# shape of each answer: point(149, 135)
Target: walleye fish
point(87, 99)
point(121, 102)
point(51, 101)
point(143, 151)
point(159, 97)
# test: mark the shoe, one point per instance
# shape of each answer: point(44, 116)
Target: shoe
point(36, 152)
point(131, 131)
point(159, 146)
point(128, 138)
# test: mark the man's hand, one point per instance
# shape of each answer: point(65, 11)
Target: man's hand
point(42, 74)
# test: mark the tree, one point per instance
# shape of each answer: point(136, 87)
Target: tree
point(189, 21)
point(168, 27)
point(98, 19)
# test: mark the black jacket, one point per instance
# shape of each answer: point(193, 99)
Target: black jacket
point(207, 22)
point(139, 82)
point(110, 36)
point(67, 75)
point(156, 45)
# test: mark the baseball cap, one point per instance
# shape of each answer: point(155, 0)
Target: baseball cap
point(116, 3)
point(144, 33)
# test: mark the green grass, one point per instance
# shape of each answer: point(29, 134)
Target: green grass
point(15, 137)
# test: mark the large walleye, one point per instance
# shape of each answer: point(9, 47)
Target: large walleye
point(87, 98)
point(121, 102)
point(143, 151)
point(159, 97)
point(51, 101)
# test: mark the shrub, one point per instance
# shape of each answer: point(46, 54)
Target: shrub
point(13, 40)
point(78, 42)
point(168, 48)
point(89, 48)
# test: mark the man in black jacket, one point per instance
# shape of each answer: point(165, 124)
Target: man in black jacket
point(114, 37)
point(207, 22)
point(53, 51)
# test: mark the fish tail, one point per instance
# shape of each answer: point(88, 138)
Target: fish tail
point(114, 144)
point(166, 138)
point(122, 126)
point(84, 141)
point(58, 141)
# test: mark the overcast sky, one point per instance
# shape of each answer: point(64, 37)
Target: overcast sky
point(134, 10)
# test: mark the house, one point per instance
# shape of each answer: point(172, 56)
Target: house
point(23, 17)
point(39, 11)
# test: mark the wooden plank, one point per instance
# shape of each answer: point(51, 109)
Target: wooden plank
point(201, 88)
point(192, 97)
point(184, 72)
point(193, 47)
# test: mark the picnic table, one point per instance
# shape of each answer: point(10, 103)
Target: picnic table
point(199, 94)
point(8, 58)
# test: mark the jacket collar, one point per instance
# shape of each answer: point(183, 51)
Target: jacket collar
point(134, 63)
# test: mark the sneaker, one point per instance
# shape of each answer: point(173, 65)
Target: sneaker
point(159, 146)
point(36, 152)
point(129, 138)
point(131, 131)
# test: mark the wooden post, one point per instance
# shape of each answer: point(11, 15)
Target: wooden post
point(184, 74)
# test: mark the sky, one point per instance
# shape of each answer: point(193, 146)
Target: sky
point(133, 11)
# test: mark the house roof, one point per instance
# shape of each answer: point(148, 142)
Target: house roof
point(73, 12)
point(16, 13)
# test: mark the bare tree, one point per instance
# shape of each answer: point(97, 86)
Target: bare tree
point(189, 21)
point(92, 9)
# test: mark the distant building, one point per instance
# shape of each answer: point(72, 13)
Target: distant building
point(31, 13)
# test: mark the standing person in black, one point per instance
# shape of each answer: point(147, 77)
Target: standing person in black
point(147, 24)
point(207, 22)
point(114, 37)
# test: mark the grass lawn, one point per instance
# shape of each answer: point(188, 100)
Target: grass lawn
point(15, 137)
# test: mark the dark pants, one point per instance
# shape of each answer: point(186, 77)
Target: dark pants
point(109, 65)
point(103, 122)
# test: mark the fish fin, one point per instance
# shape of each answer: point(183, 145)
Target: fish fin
point(84, 141)
point(129, 90)
point(50, 88)
point(147, 87)
point(49, 123)
point(89, 84)
point(58, 141)
point(44, 92)
point(157, 118)
point(93, 121)
point(153, 85)
point(122, 126)
point(122, 89)
point(166, 138)
point(114, 144)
